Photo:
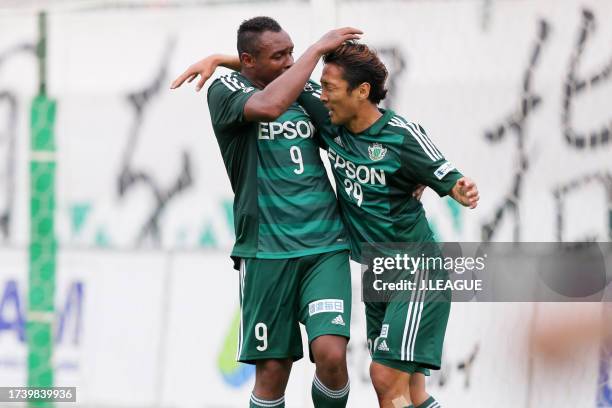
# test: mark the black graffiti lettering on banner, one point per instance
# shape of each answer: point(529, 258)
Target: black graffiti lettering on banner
point(575, 86)
point(466, 366)
point(130, 176)
point(446, 376)
point(395, 62)
point(515, 123)
point(572, 187)
point(8, 142)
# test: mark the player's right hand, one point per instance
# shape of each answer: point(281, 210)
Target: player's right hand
point(204, 68)
point(466, 193)
point(335, 38)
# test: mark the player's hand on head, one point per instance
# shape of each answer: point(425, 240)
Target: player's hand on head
point(418, 191)
point(335, 38)
point(203, 68)
point(466, 192)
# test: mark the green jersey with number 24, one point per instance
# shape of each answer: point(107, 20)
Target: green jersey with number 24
point(376, 172)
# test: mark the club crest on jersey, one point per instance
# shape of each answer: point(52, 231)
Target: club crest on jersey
point(377, 151)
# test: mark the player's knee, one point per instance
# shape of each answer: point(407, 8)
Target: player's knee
point(273, 368)
point(333, 358)
point(330, 353)
point(272, 375)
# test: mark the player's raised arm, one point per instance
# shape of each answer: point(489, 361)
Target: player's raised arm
point(205, 68)
point(310, 100)
point(277, 96)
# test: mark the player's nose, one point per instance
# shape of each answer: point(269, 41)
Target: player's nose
point(324, 96)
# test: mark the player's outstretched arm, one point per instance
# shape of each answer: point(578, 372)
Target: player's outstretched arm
point(278, 95)
point(465, 192)
point(205, 68)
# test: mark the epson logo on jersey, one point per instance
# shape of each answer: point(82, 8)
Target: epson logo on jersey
point(443, 170)
point(363, 174)
point(288, 130)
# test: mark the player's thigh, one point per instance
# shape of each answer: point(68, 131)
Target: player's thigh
point(325, 295)
point(269, 322)
point(413, 332)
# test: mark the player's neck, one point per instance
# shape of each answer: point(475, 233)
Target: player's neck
point(253, 78)
point(367, 115)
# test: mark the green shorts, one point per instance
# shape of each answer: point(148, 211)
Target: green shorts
point(409, 335)
point(278, 294)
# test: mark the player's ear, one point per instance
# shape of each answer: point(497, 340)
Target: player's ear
point(247, 60)
point(364, 91)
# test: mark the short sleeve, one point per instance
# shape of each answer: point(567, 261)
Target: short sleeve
point(424, 162)
point(310, 100)
point(226, 101)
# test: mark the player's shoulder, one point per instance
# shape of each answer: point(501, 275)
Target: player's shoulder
point(399, 124)
point(409, 134)
point(411, 131)
point(230, 83)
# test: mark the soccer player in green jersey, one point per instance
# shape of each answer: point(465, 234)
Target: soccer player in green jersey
point(290, 241)
point(378, 158)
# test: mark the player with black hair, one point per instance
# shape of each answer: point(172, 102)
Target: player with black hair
point(293, 258)
point(378, 159)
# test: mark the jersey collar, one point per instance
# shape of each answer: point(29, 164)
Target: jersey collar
point(378, 126)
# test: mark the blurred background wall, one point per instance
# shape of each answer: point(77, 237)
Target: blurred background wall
point(517, 93)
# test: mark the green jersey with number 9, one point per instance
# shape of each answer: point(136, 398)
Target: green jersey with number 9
point(284, 205)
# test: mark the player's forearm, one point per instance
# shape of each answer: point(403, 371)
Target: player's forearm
point(284, 90)
point(227, 61)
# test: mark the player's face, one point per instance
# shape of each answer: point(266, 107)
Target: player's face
point(274, 57)
point(343, 105)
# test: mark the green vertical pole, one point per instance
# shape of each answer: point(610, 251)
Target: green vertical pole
point(40, 318)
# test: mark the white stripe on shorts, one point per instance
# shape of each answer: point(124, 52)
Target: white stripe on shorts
point(418, 319)
point(241, 292)
point(412, 298)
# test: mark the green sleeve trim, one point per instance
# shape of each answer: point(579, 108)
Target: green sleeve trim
point(447, 183)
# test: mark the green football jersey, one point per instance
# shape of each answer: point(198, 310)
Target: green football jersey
point(284, 205)
point(376, 172)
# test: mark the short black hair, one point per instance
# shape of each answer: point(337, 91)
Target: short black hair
point(360, 64)
point(250, 30)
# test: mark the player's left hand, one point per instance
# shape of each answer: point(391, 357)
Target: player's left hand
point(334, 38)
point(204, 68)
point(418, 191)
point(466, 192)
